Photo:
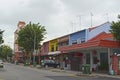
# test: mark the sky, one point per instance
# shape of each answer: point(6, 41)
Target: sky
point(60, 17)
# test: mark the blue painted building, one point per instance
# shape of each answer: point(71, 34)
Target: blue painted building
point(92, 32)
point(77, 37)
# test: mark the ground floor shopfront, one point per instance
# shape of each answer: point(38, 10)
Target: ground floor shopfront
point(100, 59)
point(100, 55)
point(19, 56)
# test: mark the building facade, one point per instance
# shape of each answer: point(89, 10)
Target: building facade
point(77, 37)
point(94, 46)
point(18, 54)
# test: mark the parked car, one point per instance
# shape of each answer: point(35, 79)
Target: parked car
point(1, 64)
point(50, 63)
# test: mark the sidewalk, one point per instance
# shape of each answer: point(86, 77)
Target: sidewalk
point(77, 73)
point(106, 75)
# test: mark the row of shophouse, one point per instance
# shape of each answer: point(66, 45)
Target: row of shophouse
point(94, 46)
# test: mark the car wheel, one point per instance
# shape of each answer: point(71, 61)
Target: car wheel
point(46, 66)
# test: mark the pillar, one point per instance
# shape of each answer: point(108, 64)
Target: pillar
point(91, 61)
point(109, 60)
point(98, 57)
point(84, 58)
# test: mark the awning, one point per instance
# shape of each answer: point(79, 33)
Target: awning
point(89, 44)
point(54, 53)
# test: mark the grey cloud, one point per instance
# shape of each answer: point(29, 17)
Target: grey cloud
point(96, 6)
point(56, 15)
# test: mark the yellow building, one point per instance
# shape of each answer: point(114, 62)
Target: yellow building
point(53, 45)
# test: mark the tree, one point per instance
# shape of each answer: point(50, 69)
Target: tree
point(6, 51)
point(115, 29)
point(1, 39)
point(29, 34)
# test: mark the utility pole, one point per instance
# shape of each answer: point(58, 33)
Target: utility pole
point(72, 25)
point(34, 52)
point(79, 18)
point(107, 16)
point(91, 18)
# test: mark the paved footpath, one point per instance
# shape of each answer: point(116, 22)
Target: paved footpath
point(77, 73)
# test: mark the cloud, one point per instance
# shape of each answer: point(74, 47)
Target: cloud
point(97, 6)
point(56, 15)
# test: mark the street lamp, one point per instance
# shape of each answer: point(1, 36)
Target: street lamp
point(34, 52)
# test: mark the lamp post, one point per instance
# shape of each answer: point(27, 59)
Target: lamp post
point(34, 52)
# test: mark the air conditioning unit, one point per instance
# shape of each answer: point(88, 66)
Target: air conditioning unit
point(78, 41)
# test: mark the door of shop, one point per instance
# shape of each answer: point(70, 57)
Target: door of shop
point(75, 63)
point(104, 62)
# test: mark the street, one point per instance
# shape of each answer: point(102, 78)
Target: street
point(18, 72)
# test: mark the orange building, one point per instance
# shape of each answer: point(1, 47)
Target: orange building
point(18, 54)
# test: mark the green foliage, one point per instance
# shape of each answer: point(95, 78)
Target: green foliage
point(115, 29)
point(1, 39)
point(5, 51)
point(26, 36)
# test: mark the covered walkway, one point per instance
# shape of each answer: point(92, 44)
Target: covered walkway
point(95, 51)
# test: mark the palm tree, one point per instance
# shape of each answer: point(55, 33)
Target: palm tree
point(115, 29)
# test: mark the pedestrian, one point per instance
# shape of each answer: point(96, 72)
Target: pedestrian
point(62, 64)
point(68, 64)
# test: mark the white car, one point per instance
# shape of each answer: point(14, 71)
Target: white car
point(1, 64)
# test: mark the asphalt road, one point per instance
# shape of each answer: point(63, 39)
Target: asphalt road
point(17, 72)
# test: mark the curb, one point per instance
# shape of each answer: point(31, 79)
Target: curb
point(59, 71)
point(79, 74)
point(86, 75)
point(109, 76)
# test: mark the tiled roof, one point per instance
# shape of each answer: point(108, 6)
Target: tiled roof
point(102, 36)
point(100, 43)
